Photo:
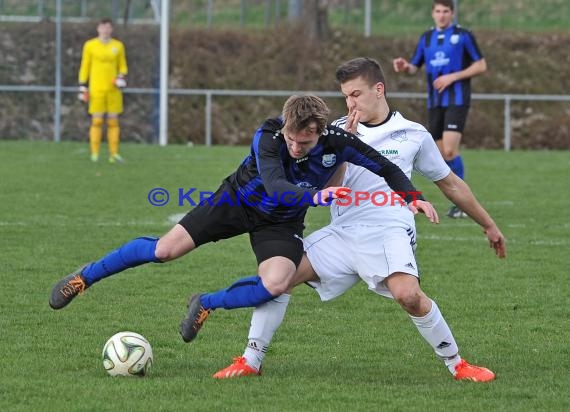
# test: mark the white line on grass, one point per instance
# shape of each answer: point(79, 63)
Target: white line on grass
point(175, 218)
point(473, 239)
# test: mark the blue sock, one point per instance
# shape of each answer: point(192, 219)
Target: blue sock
point(456, 166)
point(134, 253)
point(246, 292)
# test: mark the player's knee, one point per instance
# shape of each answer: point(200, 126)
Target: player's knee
point(275, 286)
point(113, 122)
point(97, 121)
point(449, 154)
point(166, 251)
point(410, 300)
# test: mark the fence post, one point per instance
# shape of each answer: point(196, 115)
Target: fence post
point(367, 18)
point(208, 118)
point(507, 123)
point(57, 102)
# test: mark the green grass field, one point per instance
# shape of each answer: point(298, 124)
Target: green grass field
point(358, 353)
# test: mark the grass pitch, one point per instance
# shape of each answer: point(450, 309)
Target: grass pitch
point(359, 352)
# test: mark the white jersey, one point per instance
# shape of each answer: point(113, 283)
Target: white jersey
point(406, 144)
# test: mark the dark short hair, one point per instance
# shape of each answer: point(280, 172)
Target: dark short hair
point(106, 20)
point(365, 67)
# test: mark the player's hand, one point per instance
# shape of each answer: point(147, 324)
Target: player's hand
point(400, 64)
point(352, 120)
point(496, 241)
point(83, 94)
point(424, 207)
point(121, 81)
point(325, 196)
point(443, 82)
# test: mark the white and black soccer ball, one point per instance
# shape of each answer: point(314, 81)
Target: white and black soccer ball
point(127, 354)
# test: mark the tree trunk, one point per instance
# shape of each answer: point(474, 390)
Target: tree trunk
point(315, 19)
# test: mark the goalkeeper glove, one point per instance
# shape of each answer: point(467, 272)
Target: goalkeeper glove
point(121, 81)
point(83, 93)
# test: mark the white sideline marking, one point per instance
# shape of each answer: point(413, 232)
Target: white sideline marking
point(129, 223)
point(548, 242)
point(500, 203)
point(472, 239)
point(175, 218)
point(452, 238)
point(505, 202)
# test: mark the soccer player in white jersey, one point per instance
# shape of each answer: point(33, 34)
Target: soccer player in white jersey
point(376, 243)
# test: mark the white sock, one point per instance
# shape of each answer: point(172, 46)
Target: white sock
point(436, 332)
point(265, 320)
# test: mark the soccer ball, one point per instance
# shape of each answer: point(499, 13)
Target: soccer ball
point(127, 354)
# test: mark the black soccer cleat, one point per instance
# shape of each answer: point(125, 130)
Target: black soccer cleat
point(197, 315)
point(455, 213)
point(67, 288)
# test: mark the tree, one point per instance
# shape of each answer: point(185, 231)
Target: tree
point(312, 16)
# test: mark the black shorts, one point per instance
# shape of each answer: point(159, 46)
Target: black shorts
point(222, 218)
point(452, 118)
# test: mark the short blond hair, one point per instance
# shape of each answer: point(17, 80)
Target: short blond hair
point(299, 111)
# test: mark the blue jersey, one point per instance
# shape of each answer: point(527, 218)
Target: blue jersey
point(269, 175)
point(447, 51)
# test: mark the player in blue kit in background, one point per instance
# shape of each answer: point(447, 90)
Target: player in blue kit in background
point(267, 196)
point(452, 57)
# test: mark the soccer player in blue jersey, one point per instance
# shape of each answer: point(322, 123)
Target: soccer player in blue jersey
point(290, 163)
point(375, 243)
point(452, 57)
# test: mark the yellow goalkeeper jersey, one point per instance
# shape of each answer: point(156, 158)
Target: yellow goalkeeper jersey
point(101, 63)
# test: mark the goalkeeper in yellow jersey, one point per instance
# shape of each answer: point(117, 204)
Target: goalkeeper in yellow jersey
point(102, 76)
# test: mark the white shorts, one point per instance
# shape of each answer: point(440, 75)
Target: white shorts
point(341, 256)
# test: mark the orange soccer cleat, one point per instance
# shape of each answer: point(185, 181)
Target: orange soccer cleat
point(467, 372)
point(236, 369)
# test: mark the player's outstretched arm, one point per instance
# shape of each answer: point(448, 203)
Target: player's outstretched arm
point(461, 195)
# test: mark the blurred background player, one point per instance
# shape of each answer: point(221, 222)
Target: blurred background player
point(452, 58)
point(102, 75)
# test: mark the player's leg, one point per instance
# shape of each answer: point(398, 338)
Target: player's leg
point(113, 133)
point(425, 315)
point(175, 243)
point(195, 229)
point(450, 151)
point(328, 251)
point(265, 321)
point(115, 107)
point(97, 109)
point(95, 135)
point(278, 249)
point(454, 124)
point(429, 321)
